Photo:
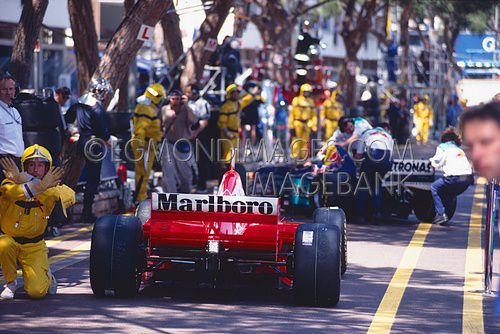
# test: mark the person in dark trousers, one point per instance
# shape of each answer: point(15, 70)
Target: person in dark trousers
point(457, 170)
point(453, 111)
point(92, 122)
point(11, 124)
point(392, 53)
point(249, 105)
point(201, 109)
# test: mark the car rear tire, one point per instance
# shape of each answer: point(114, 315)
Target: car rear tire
point(336, 217)
point(423, 206)
point(116, 256)
point(317, 264)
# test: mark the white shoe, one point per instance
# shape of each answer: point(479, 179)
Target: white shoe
point(53, 285)
point(8, 291)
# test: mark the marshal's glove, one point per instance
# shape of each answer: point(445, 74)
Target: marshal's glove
point(11, 171)
point(51, 179)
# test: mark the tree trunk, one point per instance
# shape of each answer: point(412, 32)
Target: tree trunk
point(450, 37)
point(276, 27)
point(350, 64)
point(119, 53)
point(355, 28)
point(81, 16)
point(123, 98)
point(197, 56)
point(241, 18)
point(25, 38)
point(172, 36)
point(123, 47)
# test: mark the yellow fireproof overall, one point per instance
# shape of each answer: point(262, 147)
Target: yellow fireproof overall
point(302, 120)
point(146, 128)
point(423, 117)
point(24, 218)
point(331, 113)
point(229, 118)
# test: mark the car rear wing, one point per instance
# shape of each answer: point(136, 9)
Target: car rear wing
point(194, 207)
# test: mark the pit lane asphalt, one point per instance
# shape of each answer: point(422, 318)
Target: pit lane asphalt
point(432, 300)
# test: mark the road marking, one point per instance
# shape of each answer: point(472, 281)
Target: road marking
point(66, 236)
point(472, 319)
point(388, 308)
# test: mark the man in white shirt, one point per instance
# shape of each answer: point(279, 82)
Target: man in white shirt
point(348, 132)
point(457, 170)
point(11, 125)
point(374, 147)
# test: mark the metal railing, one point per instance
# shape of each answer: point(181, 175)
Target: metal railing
point(489, 247)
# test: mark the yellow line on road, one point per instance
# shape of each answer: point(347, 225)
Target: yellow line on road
point(386, 313)
point(66, 236)
point(472, 320)
point(84, 247)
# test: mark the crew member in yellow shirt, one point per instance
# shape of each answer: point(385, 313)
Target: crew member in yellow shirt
point(302, 121)
point(330, 114)
point(26, 202)
point(424, 118)
point(147, 128)
point(229, 122)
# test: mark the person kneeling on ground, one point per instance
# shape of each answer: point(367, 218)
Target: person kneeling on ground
point(457, 173)
point(26, 202)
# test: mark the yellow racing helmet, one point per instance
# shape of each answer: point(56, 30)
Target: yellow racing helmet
point(305, 88)
point(36, 153)
point(155, 92)
point(230, 89)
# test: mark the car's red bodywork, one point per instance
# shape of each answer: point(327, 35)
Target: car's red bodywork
point(262, 240)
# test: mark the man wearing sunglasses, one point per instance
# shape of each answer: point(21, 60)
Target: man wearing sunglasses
point(11, 126)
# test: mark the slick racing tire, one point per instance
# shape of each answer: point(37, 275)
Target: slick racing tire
point(38, 114)
point(336, 217)
point(118, 122)
point(50, 139)
point(423, 206)
point(317, 264)
point(116, 256)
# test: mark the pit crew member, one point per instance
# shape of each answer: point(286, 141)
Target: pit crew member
point(457, 173)
point(374, 148)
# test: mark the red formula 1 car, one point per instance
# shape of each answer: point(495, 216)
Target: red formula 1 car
point(175, 235)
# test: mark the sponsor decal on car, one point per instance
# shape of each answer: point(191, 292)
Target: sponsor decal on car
point(215, 203)
point(415, 167)
point(307, 238)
